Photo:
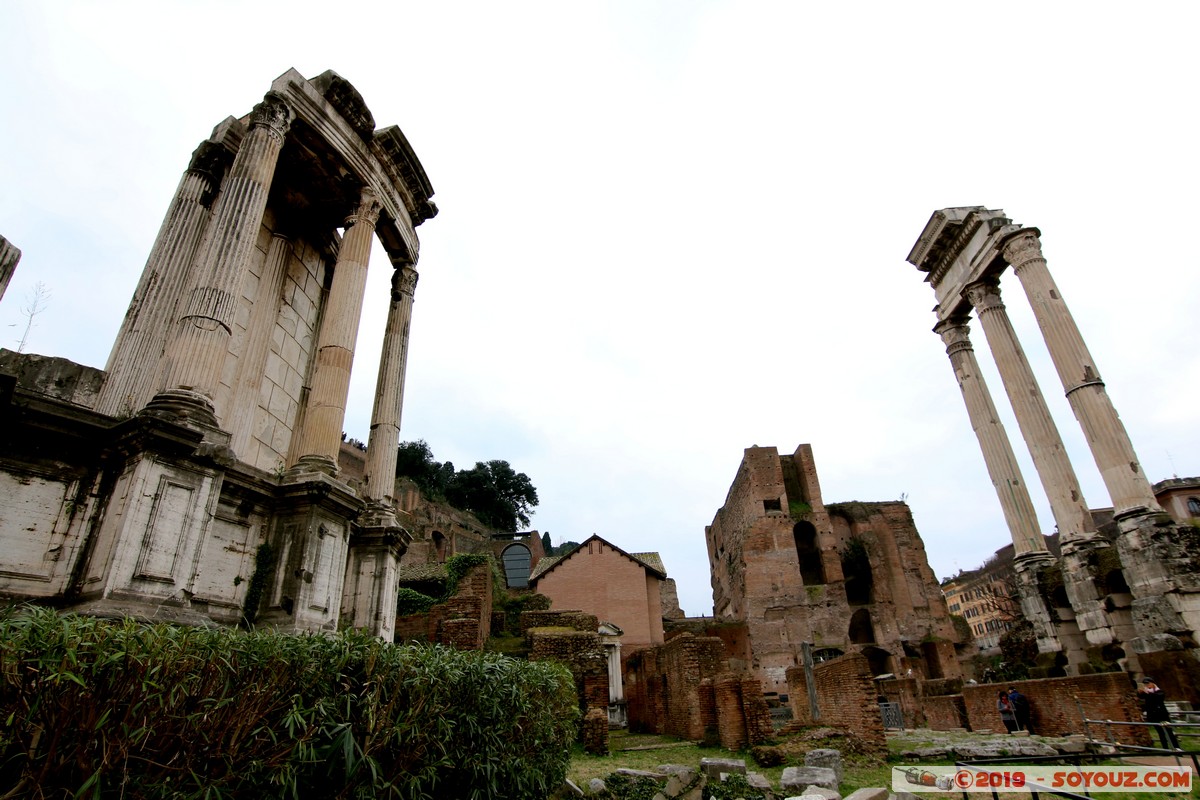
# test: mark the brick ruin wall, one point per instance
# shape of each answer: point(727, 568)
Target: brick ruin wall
point(682, 688)
point(742, 716)
point(1054, 710)
point(463, 622)
point(846, 699)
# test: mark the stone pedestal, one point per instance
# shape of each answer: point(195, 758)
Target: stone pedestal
point(310, 542)
point(369, 596)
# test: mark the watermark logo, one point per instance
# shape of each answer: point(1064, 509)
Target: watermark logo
point(1031, 777)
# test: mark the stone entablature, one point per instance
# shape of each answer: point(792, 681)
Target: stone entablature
point(197, 477)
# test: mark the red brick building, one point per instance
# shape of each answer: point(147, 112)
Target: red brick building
point(618, 587)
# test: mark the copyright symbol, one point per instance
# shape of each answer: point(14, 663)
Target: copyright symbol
point(962, 779)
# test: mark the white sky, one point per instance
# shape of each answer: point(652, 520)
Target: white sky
point(669, 230)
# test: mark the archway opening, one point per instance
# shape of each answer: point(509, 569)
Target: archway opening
point(812, 572)
point(516, 560)
point(861, 630)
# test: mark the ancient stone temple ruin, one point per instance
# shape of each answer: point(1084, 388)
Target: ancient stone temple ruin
point(832, 578)
point(1132, 601)
point(196, 477)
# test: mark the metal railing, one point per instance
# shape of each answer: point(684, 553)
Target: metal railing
point(1179, 733)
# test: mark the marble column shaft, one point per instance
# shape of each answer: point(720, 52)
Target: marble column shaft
point(132, 365)
point(321, 435)
point(195, 357)
point(993, 441)
point(1050, 458)
point(389, 388)
point(252, 362)
point(1119, 467)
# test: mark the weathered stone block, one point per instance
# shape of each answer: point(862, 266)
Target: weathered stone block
point(871, 793)
point(825, 757)
point(820, 793)
point(797, 779)
point(713, 767)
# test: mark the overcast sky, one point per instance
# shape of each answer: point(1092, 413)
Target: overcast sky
point(669, 230)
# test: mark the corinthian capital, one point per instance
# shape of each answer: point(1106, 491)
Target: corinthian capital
point(955, 334)
point(273, 114)
point(984, 295)
point(368, 209)
point(1022, 248)
point(404, 281)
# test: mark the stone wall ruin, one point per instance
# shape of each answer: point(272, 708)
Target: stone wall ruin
point(844, 577)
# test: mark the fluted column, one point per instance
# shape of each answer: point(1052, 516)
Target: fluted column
point(194, 358)
point(993, 441)
point(133, 363)
point(1106, 436)
point(1033, 415)
point(9, 256)
point(321, 434)
point(389, 388)
point(244, 398)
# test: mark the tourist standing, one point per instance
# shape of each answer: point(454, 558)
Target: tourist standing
point(1007, 715)
point(1020, 707)
point(1154, 706)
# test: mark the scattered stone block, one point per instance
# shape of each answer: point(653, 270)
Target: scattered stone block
point(568, 791)
point(796, 779)
point(596, 786)
point(820, 793)
point(713, 767)
point(758, 781)
point(870, 793)
point(825, 757)
point(641, 773)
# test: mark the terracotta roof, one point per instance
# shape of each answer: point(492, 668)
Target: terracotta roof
point(411, 573)
point(543, 564)
point(651, 561)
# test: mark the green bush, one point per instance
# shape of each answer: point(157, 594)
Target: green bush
point(97, 709)
point(410, 601)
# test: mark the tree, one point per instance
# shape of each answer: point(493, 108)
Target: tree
point(414, 460)
point(498, 495)
point(546, 546)
point(494, 492)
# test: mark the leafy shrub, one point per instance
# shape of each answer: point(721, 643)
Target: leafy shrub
point(410, 601)
point(94, 709)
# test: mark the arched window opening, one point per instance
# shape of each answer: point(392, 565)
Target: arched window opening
point(856, 568)
point(1194, 506)
point(439, 546)
point(516, 559)
point(861, 630)
point(826, 654)
point(812, 572)
point(878, 659)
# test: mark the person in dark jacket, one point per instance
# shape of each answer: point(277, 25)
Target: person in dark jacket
point(1004, 706)
point(1020, 706)
point(1154, 708)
